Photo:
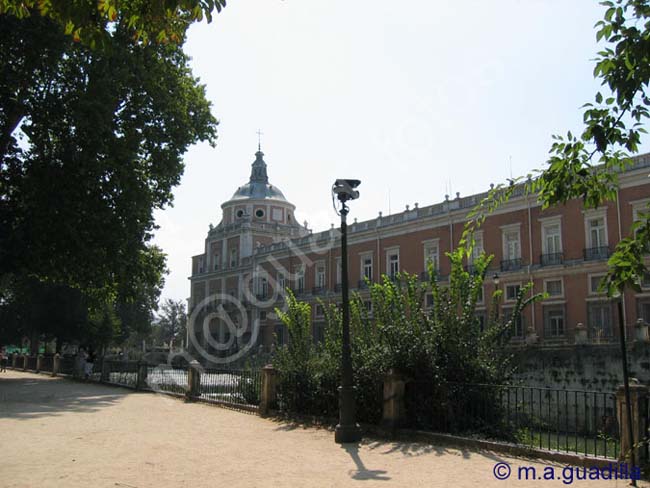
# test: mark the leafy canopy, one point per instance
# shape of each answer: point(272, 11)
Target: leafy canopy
point(92, 21)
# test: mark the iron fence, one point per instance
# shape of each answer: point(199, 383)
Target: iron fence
point(31, 363)
point(124, 373)
point(581, 422)
point(168, 379)
point(67, 365)
point(237, 387)
point(47, 363)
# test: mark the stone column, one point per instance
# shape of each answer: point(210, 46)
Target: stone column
point(14, 358)
point(25, 362)
point(56, 364)
point(39, 363)
point(143, 370)
point(394, 408)
point(194, 380)
point(269, 389)
point(105, 371)
point(580, 335)
point(640, 331)
point(638, 399)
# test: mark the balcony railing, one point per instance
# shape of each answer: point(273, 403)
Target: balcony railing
point(511, 264)
point(298, 290)
point(596, 253)
point(362, 285)
point(551, 259)
point(338, 287)
point(317, 290)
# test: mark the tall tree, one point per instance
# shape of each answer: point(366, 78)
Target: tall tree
point(103, 137)
point(173, 321)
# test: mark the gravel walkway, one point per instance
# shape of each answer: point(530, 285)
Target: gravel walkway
point(59, 433)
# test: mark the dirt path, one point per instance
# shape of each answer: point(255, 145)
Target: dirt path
point(58, 433)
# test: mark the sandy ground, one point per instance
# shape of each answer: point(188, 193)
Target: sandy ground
point(59, 433)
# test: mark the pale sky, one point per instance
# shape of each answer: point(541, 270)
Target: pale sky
point(410, 97)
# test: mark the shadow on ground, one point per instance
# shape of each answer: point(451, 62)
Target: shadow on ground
point(362, 472)
point(30, 396)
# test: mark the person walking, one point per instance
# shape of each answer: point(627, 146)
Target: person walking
point(90, 364)
point(3, 360)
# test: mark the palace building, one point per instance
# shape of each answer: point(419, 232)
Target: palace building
point(259, 249)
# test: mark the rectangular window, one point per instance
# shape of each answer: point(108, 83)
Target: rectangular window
point(553, 288)
point(594, 284)
point(431, 255)
point(481, 318)
point(512, 292)
point(553, 321)
point(234, 261)
point(280, 336)
point(477, 250)
point(552, 238)
point(645, 280)
point(339, 271)
point(517, 329)
point(429, 300)
point(599, 316)
point(281, 283)
point(262, 315)
point(300, 279)
point(200, 264)
point(393, 263)
point(368, 305)
point(596, 232)
point(320, 276)
point(479, 297)
point(319, 312)
point(366, 265)
point(511, 245)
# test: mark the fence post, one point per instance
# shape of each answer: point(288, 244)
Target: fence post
point(105, 377)
point(269, 389)
point(143, 369)
point(56, 364)
point(194, 380)
point(394, 408)
point(638, 399)
point(39, 363)
point(25, 362)
point(14, 357)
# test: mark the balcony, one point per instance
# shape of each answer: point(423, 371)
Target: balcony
point(511, 264)
point(317, 290)
point(596, 253)
point(424, 277)
point(298, 290)
point(362, 285)
point(551, 259)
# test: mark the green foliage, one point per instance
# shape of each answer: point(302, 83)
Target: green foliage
point(172, 322)
point(92, 22)
point(587, 166)
point(432, 346)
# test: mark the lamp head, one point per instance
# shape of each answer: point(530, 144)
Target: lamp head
point(345, 189)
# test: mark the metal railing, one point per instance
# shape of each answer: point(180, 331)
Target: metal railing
point(596, 253)
point(511, 264)
point(47, 364)
point(168, 379)
point(551, 259)
point(31, 363)
point(124, 373)
point(581, 422)
point(234, 387)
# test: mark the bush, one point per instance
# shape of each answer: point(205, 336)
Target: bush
point(431, 347)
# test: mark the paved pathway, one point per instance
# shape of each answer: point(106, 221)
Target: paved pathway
point(59, 433)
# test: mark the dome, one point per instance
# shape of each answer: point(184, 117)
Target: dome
point(258, 187)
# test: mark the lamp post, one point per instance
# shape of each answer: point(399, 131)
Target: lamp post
point(347, 430)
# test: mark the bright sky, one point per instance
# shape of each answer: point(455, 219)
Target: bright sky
point(411, 97)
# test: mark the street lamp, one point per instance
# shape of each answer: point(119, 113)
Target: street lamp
point(347, 430)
